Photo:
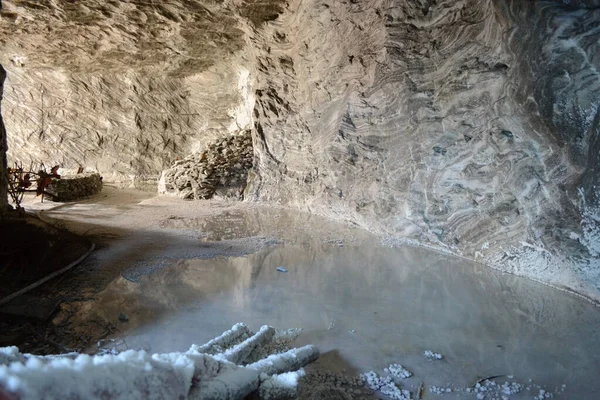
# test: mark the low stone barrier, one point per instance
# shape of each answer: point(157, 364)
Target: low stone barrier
point(74, 187)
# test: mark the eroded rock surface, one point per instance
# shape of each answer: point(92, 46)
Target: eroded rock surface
point(125, 87)
point(470, 125)
point(221, 170)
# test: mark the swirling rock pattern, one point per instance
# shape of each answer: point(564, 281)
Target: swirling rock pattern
point(124, 87)
point(469, 125)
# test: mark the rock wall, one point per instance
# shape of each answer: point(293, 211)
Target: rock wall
point(74, 187)
point(444, 122)
point(124, 87)
point(471, 126)
point(563, 90)
point(125, 126)
point(3, 166)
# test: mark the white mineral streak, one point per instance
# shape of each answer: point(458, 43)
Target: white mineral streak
point(242, 114)
point(435, 124)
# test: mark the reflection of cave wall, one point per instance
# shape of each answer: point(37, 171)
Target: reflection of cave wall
point(470, 125)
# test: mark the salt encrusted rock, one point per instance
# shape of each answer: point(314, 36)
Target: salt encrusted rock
point(432, 356)
point(227, 373)
point(220, 170)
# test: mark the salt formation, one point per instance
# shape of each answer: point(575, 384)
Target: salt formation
point(432, 356)
point(385, 385)
point(398, 371)
point(220, 170)
point(489, 389)
point(226, 374)
point(471, 126)
point(484, 389)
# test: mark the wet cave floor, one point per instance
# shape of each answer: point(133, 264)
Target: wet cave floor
point(167, 273)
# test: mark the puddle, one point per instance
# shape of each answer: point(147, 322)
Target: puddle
point(243, 223)
point(226, 226)
point(374, 306)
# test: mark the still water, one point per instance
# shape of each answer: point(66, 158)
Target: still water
point(372, 306)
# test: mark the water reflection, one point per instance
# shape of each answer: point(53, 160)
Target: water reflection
point(259, 221)
point(398, 302)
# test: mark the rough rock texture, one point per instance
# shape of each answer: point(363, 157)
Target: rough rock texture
point(469, 125)
point(75, 187)
point(227, 373)
point(125, 87)
point(221, 170)
point(3, 164)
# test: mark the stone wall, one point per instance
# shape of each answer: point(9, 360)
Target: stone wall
point(469, 126)
point(75, 187)
point(125, 88)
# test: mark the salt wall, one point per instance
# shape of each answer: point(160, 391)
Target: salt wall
point(471, 126)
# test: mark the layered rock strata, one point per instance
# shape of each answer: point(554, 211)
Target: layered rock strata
point(471, 126)
point(125, 87)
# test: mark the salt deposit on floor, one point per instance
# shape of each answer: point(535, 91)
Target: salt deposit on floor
point(432, 356)
point(227, 373)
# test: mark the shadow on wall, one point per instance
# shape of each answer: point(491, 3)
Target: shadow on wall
point(3, 148)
